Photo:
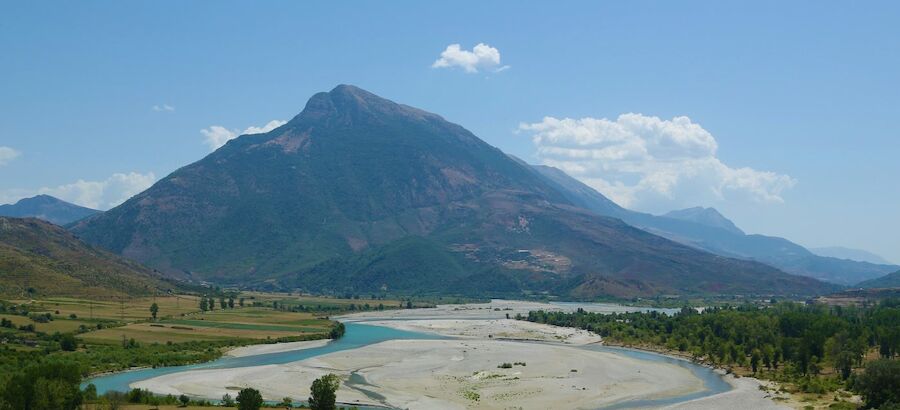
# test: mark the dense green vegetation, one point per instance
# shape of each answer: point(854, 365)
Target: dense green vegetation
point(97, 358)
point(818, 348)
point(879, 384)
point(54, 362)
point(44, 386)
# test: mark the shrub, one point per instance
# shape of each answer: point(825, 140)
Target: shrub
point(879, 384)
point(249, 399)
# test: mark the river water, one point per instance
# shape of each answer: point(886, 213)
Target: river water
point(359, 334)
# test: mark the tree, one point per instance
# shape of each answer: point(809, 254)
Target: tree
point(754, 359)
point(287, 402)
point(231, 303)
point(184, 400)
point(222, 303)
point(154, 309)
point(90, 393)
point(212, 303)
point(55, 394)
point(67, 342)
point(114, 400)
point(203, 305)
point(154, 401)
point(322, 392)
point(879, 384)
point(227, 401)
point(241, 302)
point(249, 399)
point(44, 386)
point(337, 331)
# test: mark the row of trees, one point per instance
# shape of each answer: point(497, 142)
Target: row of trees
point(208, 303)
point(787, 340)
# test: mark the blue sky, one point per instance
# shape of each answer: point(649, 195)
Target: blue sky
point(791, 107)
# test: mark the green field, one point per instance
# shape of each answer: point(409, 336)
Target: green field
point(237, 323)
point(116, 334)
point(125, 309)
point(246, 326)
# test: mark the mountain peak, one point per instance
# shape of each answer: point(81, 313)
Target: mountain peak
point(348, 104)
point(39, 199)
point(705, 216)
point(349, 89)
point(359, 193)
point(48, 208)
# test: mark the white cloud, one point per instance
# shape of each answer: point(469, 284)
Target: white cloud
point(271, 125)
point(482, 57)
point(650, 164)
point(164, 107)
point(216, 135)
point(8, 154)
point(102, 195)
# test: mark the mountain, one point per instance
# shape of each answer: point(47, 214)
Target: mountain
point(858, 255)
point(707, 229)
point(359, 194)
point(47, 208)
point(891, 280)
point(50, 261)
point(707, 217)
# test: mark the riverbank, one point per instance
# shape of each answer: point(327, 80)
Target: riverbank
point(258, 349)
point(451, 374)
point(744, 395)
point(488, 362)
point(498, 329)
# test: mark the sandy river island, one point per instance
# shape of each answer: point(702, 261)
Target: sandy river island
point(553, 372)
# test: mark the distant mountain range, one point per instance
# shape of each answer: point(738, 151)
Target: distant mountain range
point(891, 280)
point(38, 258)
point(707, 217)
point(47, 208)
point(707, 229)
point(361, 194)
point(859, 255)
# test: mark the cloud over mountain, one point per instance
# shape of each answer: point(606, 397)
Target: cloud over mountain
point(648, 163)
point(482, 57)
point(216, 135)
point(102, 194)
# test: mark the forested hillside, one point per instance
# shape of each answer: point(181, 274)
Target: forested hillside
point(816, 348)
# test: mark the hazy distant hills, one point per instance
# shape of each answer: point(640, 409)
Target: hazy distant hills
point(891, 280)
point(47, 208)
point(841, 252)
point(38, 258)
point(707, 229)
point(360, 194)
point(705, 216)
